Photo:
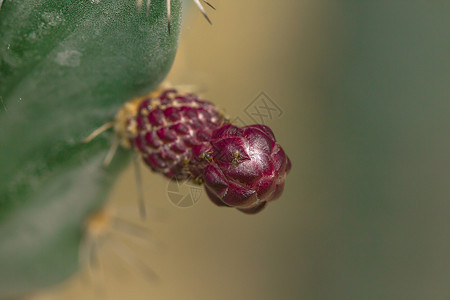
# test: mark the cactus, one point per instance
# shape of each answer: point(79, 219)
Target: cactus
point(65, 68)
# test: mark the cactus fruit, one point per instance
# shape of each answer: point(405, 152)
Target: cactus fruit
point(184, 137)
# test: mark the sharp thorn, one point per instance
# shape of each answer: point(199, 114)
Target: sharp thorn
point(141, 199)
point(131, 228)
point(128, 256)
point(209, 4)
point(138, 5)
point(207, 18)
point(98, 131)
point(169, 15)
point(200, 6)
point(112, 151)
point(93, 258)
point(149, 2)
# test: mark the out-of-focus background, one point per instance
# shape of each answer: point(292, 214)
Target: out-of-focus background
point(360, 92)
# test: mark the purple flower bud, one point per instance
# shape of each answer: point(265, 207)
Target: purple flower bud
point(183, 137)
point(248, 167)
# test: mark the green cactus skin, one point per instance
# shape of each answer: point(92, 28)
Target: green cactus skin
point(65, 69)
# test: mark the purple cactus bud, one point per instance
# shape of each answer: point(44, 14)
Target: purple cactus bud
point(247, 169)
point(181, 136)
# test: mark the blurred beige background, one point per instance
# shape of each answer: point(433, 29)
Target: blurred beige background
point(363, 88)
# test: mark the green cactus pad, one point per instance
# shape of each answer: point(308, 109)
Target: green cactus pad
point(66, 67)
